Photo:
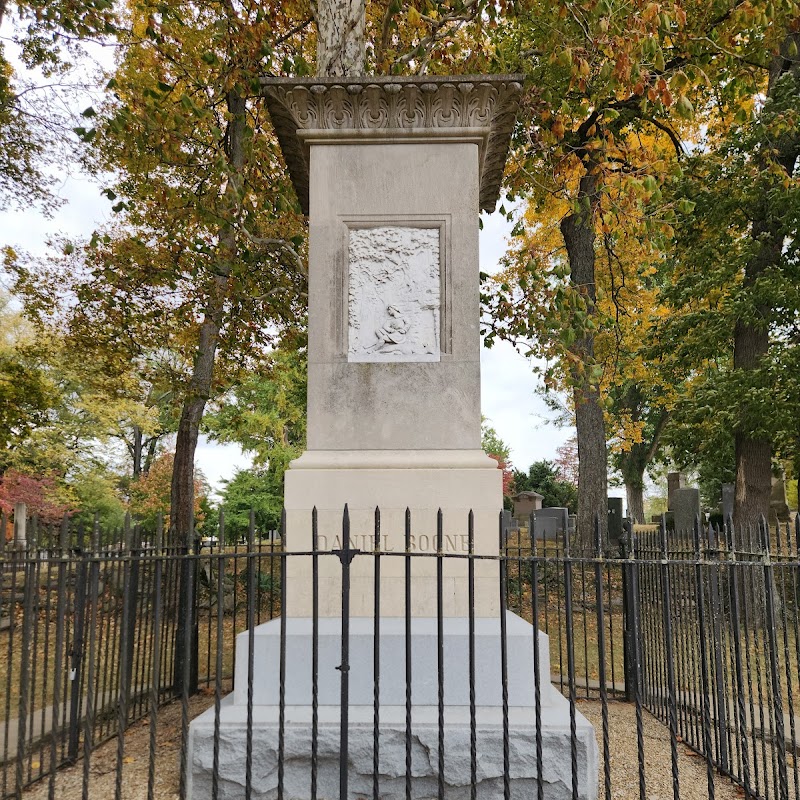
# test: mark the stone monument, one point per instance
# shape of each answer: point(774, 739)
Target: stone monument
point(685, 508)
point(675, 482)
point(728, 498)
point(615, 520)
point(392, 173)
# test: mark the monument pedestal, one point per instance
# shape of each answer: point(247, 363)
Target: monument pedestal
point(556, 761)
point(422, 482)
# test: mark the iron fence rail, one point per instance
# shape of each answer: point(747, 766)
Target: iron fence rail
point(700, 629)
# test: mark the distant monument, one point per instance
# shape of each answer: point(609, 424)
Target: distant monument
point(393, 173)
point(525, 503)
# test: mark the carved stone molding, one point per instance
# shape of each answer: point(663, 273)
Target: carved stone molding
point(479, 106)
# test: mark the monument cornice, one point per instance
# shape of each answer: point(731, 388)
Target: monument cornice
point(475, 108)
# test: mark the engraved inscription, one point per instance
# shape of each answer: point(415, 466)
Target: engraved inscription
point(394, 294)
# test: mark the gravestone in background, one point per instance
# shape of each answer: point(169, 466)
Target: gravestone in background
point(728, 496)
point(685, 508)
point(614, 519)
point(550, 523)
point(675, 481)
point(392, 172)
point(525, 503)
point(778, 505)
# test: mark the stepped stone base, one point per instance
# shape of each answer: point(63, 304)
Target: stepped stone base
point(556, 759)
point(392, 770)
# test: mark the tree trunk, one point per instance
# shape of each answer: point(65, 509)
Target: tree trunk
point(182, 488)
point(753, 453)
point(199, 391)
point(136, 451)
point(634, 463)
point(340, 37)
point(634, 492)
point(751, 336)
point(152, 444)
point(578, 232)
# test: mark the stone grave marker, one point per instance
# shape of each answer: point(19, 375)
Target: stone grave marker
point(615, 519)
point(685, 508)
point(728, 497)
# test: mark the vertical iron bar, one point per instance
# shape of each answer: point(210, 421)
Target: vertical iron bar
point(504, 661)
point(155, 674)
point(667, 630)
point(376, 657)
point(635, 629)
point(125, 653)
point(88, 727)
point(26, 655)
point(788, 671)
point(344, 703)
point(440, 646)
point(407, 561)
point(601, 651)
point(12, 637)
point(568, 617)
point(220, 635)
point(473, 735)
point(314, 650)
point(78, 676)
point(721, 702)
point(185, 661)
point(704, 681)
point(63, 564)
point(251, 591)
point(772, 642)
point(282, 664)
point(537, 667)
point(735, 578)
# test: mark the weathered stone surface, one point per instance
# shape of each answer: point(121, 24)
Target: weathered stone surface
point(556, 760)
point(675, 481)
point(424, 682)
point(549, 523)
point(685, 508)
point(614, 519)
point(728, 498)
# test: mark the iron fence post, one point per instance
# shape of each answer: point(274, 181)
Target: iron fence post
point(779, 737)
point(76, 661)
point(346, 555)
point(705, 700)
point(719, 683)
point(630, 610)
point(29, 591)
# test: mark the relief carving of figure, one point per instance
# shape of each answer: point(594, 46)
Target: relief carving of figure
point(392, 333)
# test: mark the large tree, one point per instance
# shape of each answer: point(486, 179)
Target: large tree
point(610, 80)
point(734, 278)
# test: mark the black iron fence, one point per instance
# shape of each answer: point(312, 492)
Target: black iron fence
point(682, 650)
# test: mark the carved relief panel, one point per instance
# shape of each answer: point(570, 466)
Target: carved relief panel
point(394, 294)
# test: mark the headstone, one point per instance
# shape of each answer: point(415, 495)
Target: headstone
point(549, 523)
point(614, 519)
point(778, 506)
point(685, 508)
point(675, 481)
point(20, 525)
point(728, 496)
point(525, 503)
point(392, 172)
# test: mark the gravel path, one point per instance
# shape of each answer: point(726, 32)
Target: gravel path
point(622, 737)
